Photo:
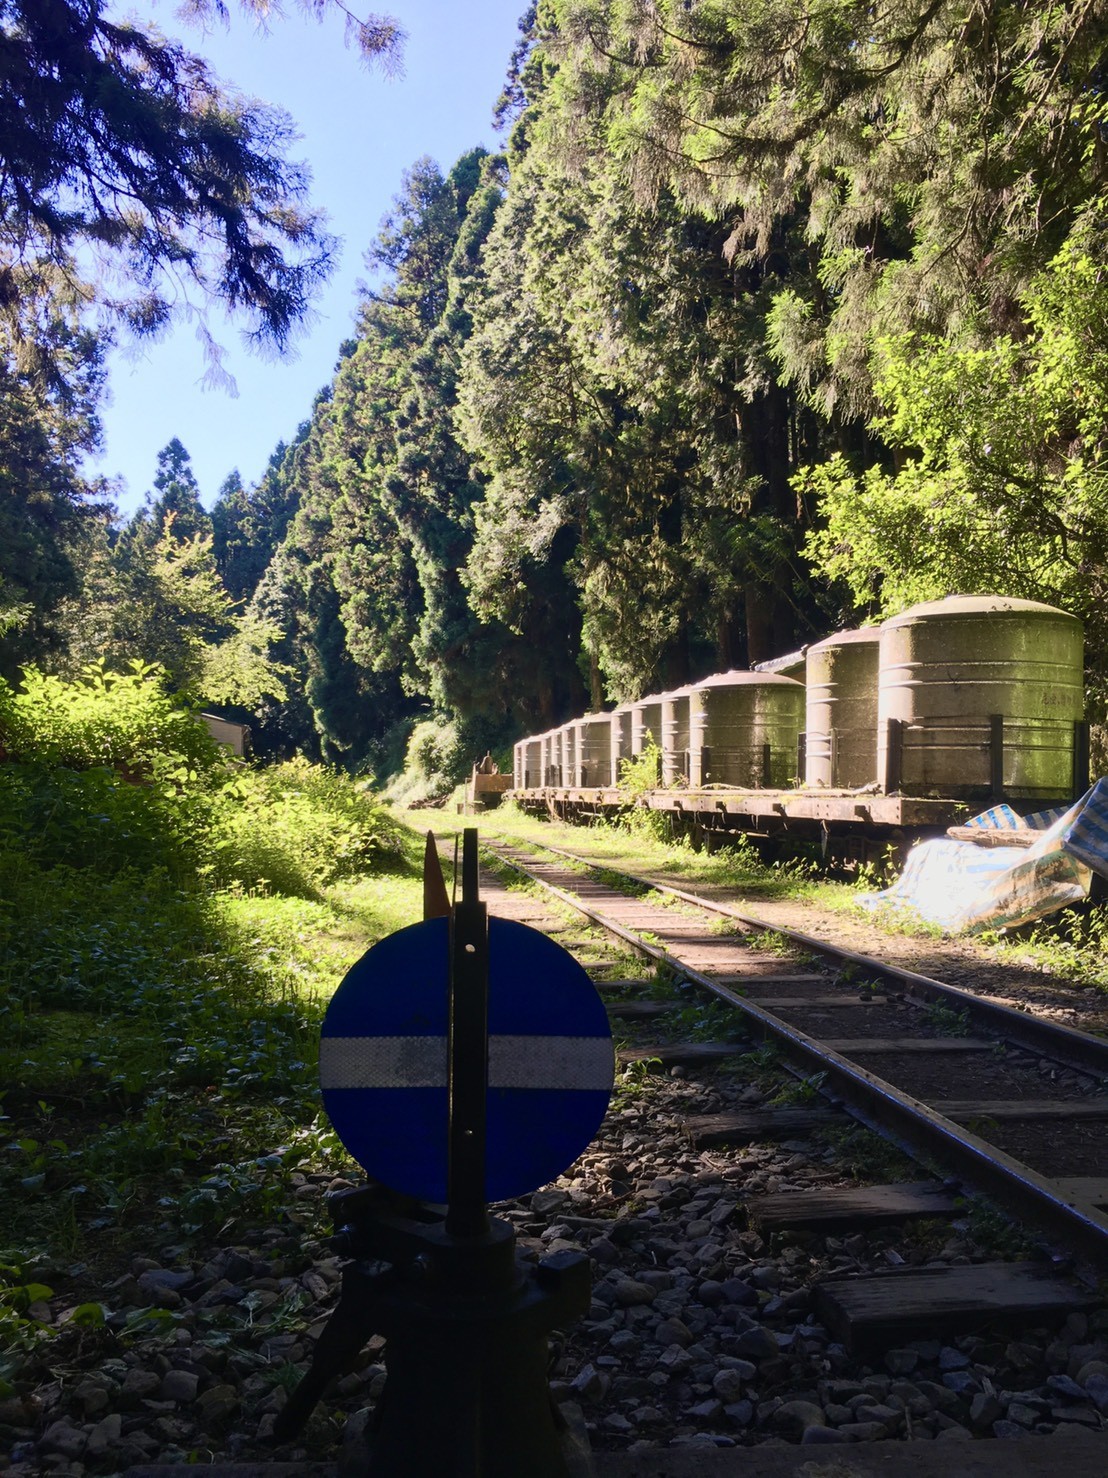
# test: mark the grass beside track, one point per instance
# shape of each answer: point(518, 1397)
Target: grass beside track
point(162, 1096)
point(1072, 945)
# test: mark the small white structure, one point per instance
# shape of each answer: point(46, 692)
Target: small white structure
point(223, 731)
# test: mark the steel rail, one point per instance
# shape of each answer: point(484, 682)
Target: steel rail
point(1067, 1045)
point(880, 1105)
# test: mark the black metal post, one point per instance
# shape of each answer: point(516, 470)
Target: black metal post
point(894, 755)
point(468, 1049)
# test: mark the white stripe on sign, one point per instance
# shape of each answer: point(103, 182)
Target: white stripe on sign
point(575, 1063)
point(382, 1062)
point(578, 1064)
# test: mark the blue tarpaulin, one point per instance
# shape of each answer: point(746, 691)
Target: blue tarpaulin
point(965, 888)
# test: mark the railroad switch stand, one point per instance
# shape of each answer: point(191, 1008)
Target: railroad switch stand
point(466, 1322)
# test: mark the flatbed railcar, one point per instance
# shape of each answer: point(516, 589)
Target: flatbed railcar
point(866, 740)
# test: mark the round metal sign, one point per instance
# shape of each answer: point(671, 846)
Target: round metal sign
point(383, 1060)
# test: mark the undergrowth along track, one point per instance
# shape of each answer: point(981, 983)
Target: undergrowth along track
point(1026, 1125)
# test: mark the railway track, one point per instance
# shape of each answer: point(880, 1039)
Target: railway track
point(1001, 1100)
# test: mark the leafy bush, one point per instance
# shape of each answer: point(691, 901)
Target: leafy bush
point(437, 758)
point(296, 827)
point(637, 778)
point(97, 819)
point(122, 720)
point(110, 773)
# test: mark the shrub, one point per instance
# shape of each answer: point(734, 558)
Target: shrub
point(111, 774)
point(437, 759)
point(296, 827)
point(123, 720)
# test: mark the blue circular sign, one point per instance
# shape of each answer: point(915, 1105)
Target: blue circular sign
point(383, 1060)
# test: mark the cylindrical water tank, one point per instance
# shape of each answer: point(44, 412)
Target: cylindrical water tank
point(978, 696)
point(840, 745)
point(743, 730)
point(568, 756)
point(594, 749)
point(620, 739)
point(546, 758)
point(533, 764)
point(646, 723)
point(675, 736)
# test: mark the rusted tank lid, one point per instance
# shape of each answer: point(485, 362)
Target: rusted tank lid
point(969, 606)
point(739, 678)
point(847, 638)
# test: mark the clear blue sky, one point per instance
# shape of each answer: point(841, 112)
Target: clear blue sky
point(360, 131)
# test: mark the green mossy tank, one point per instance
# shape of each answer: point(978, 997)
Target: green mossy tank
point(646, 723)
point(949, 666)
point(743, 730)
point(620, 738)
point(675, 736)
point(566, 751)
point(593, 734)
point(533, 773)
point(840, 748)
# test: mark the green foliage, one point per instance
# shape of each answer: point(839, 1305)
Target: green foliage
point(1003, 481)
point(124, 146)
point(51, 377)
point(642, 774)
point(21, 1331)
point(436, 760)
point(249, 526)
point(121, 720)
point(800, 1091)
point(113, 774)
point(705, 1021)
point(154, 589)
point(296, 827)
point(159, 1001)
point(637, 777)
point(866, 1155)
point(945, 1021)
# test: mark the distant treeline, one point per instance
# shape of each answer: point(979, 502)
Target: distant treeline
point(768, 319)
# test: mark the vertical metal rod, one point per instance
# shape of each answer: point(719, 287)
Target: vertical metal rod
point(468, 1047)
point(894, 755)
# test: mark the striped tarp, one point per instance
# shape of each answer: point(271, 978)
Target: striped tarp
point(964, 888)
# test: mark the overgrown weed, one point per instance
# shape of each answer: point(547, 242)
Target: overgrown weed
point(171, 924)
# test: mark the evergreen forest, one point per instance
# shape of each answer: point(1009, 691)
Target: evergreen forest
point(764, 318)
point(767, 319)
